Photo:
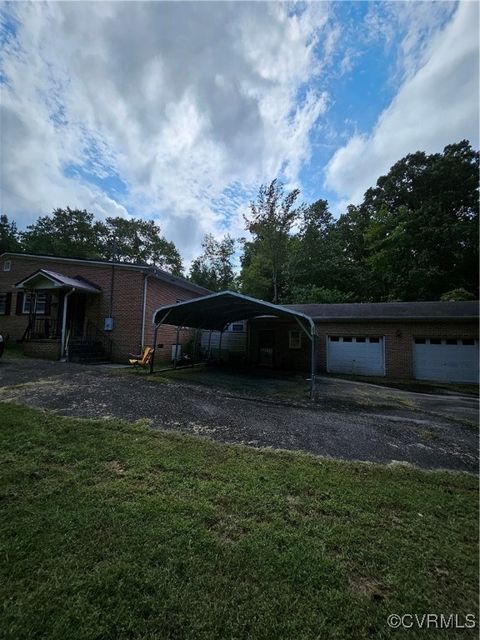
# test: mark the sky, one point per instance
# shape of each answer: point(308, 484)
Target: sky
point(178, 111)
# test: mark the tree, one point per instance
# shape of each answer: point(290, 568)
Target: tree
point(213, 269)
point(421, 235)
point(9, 238)
point(138, 241)
point(76, 234)
point(272, 216)
point(67, 232)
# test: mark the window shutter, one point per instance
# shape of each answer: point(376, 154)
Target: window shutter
point(18, 310)
point(48, 303)
point(8, 303)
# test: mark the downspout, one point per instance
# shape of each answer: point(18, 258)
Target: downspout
point(64, 323)
point(144, 312)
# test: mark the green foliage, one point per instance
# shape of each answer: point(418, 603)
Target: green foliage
point(9, 237)
point(214, 269)
point(414, 236)
point(272, 216)
point(456, 295)
point(310, 294)
point(67, 232)
point(76, 234)
point(139, 241)
point(116, 531)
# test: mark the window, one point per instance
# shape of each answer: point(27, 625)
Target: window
point(41, 303)
point(435, 341)
point(468, 342)
point(7, 265)
point(360, 339)
point(375, 340)
point(237, 326)
point(347, 339)
point(334, 338)
point(451, 341)
point(5, 299)
point(294, 339)
point(420, 340)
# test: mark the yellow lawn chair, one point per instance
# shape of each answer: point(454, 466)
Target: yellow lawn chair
point(143, 359)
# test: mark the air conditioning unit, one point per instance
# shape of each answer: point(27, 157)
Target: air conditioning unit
point(178, 349)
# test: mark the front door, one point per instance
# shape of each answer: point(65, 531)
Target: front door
point(266, 344)
point(76, 314)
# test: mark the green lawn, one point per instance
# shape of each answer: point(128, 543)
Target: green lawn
point(112, 530)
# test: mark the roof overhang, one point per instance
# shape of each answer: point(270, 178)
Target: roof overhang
point(215, 311)
point(43, 279)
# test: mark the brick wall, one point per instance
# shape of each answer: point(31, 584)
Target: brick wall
point(398, 341)
point(159, 294)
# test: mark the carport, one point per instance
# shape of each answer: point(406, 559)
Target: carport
point(216, 311)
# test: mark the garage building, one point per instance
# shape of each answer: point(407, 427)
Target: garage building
point(422, 340)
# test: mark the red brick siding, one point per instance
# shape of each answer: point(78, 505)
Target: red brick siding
point(398, 341)
point(159, 294)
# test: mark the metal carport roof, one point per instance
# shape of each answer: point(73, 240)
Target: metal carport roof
point(215, 311)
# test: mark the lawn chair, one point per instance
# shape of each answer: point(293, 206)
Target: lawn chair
point(143, 359)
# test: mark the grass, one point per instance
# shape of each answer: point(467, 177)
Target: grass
point(13, 350)
point(110, 530)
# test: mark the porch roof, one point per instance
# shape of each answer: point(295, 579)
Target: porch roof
point(43, 279)
point(217, 310)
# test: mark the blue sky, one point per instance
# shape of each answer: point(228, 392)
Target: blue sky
point(179, 111)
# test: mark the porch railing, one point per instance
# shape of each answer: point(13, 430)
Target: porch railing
point(47, 328)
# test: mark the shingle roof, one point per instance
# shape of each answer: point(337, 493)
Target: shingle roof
point(389, 310)
point(155, 271)
point(62, 281)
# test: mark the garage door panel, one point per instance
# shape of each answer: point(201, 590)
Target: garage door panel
point(361, 355)
point(446, 360)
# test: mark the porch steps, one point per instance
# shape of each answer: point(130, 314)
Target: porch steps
point(87, 352)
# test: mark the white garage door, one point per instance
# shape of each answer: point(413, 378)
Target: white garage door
point(361, 354)
point(448, 360)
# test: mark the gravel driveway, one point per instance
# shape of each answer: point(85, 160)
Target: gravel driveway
point(351, 420)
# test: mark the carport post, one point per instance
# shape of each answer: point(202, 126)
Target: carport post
point(312, 366)
point(209, 344)
point(220, 348)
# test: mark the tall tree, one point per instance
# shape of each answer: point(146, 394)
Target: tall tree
point(422, 236)
point(67, 232)
point(272, 216)
point(213, 269)
point(9, 237)
point(138, 241)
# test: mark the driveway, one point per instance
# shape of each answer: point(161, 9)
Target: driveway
point(350, 420)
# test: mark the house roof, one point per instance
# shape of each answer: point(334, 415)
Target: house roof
point(165, 276)
point(217, 310)
point(58, 280)
point(391, 311)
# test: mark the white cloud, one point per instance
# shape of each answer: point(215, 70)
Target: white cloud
point(180, 100)
point(435, 106)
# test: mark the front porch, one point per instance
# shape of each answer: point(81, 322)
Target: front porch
point(58, 325)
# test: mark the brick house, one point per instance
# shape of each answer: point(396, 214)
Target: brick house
point(422, 340)
point(60, 304)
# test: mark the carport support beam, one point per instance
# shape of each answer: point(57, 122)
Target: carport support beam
point(311, 336)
